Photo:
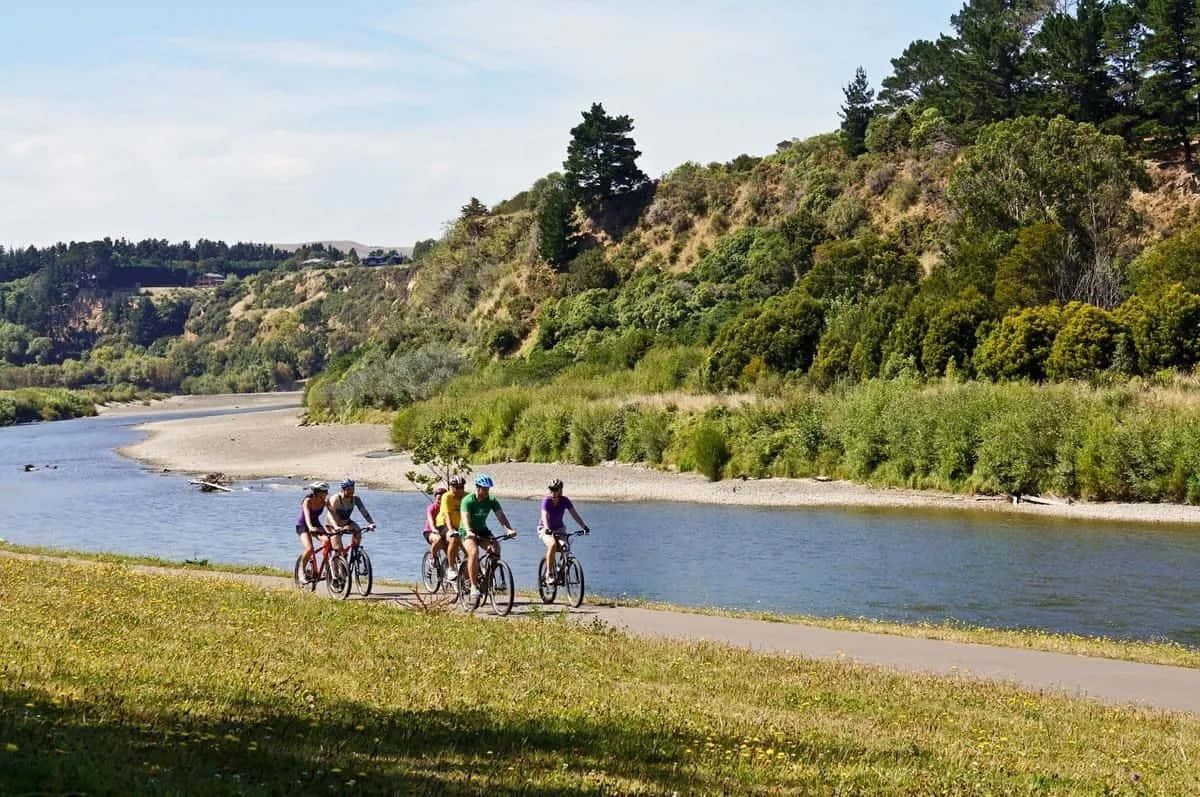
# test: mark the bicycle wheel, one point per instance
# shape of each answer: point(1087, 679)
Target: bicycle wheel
point(361, 572)
point(462, 589)
point(501, 590)
point(303, 574)
point(338, 581)
point(547, 591)
point(574, 573)
point(431, 574)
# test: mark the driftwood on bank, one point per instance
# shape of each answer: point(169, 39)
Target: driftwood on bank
point(213, 482)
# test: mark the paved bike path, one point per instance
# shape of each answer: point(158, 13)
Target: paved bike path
point(1110, 680)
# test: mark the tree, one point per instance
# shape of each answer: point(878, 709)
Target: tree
point(554, 223)
point(1019, 347)
point(1085, 344)
point(856, 114)
point(1124, 29)
point(601, 158)
point(442, 448)
point(783, 333)
point(421, 249)
point(1171, 54)
point(1069, 54)
point(472, 214)
point(1030, 170)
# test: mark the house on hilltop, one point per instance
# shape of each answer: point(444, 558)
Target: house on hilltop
point(210, 280)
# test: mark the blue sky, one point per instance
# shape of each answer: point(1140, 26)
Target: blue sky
point(376, 122)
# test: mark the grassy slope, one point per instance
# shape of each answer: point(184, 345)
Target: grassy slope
point(272, 692)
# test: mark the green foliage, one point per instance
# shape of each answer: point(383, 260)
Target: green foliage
point(1176, 259)
point(1085, 344)
point(442, 448)
point(889, 132)
point(1027, 275)
point(783, 332)
point(1165, 328)
point(601, 158)
point(847, 271)
point(554, 222)
point(952, 333)
point(1019, 347)
point(1030, 171)
point(856, 113)
point(709, 450)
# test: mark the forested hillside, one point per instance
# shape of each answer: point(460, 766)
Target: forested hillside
point(1018, 207)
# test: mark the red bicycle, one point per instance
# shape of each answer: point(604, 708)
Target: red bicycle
point(325, 564)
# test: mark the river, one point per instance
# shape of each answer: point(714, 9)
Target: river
point(981, 568)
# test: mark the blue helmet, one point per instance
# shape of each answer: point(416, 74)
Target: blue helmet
point(483, 480)
point(347, 483)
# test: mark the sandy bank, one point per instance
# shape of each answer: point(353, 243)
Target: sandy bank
point(272, 444)
point(227, 401)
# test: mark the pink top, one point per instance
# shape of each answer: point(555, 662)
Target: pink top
point(431, 516)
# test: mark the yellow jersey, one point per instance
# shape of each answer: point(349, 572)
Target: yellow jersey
point(450, 510)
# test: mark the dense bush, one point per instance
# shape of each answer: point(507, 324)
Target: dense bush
point(1085, 344)
point(1019, 346)
point(783, 333)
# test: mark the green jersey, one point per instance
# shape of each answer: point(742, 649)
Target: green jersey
point(475, 512)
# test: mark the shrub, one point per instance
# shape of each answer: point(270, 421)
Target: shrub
point(709, 450)
point(951, 334)
point(1166, 333)
point(1020, 346)
point(784, 332)
point(1085, 344)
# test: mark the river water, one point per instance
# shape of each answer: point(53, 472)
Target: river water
point(1133, 582)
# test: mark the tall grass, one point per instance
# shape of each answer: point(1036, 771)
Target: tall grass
point(1124, 443)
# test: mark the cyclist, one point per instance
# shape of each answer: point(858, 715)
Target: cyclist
point(550, 526)
point(474, 530)
point(433, 533)
point(341, 507)
point(449, 519)
point(309, 525)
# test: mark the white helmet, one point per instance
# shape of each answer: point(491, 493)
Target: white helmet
point(319, 487)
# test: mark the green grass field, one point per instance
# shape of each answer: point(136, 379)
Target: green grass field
point(119, 682)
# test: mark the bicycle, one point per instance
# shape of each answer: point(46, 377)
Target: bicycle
point(359, 563)
point(495, 579)
point(433, 571)
point(324, 564)
point(567, 571)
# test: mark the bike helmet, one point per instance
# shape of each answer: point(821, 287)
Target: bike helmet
point(347, 483)
point(319, 487)
point(457, 481)
point(483, 480)
point(556, 485)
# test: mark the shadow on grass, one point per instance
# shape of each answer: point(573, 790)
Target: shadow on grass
point(103, 746)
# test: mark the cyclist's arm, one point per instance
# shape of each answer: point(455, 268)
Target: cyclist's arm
point(504, 521)
point(358, 502)
point(543, 522)
point(308, 521)
point(575, 515)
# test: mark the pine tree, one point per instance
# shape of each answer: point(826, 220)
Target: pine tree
point(1069, 53)
point(554, 224)
point(856, 113)
point(1124, 28)
point(1170, 52)
point(601, 158)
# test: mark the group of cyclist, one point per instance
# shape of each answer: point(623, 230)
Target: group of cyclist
point(339, 508)
point(456, 521)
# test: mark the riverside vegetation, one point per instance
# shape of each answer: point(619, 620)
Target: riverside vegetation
point(1007, 239)
point(221, 709)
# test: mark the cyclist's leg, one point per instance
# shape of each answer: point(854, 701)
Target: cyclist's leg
point(471, 547)
point(453, 546)
point(551, 543)
point(306, 546)
point(356, 532)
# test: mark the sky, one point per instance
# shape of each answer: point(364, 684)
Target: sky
point(376, 122)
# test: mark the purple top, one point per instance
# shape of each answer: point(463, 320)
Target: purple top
point(554, 514)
